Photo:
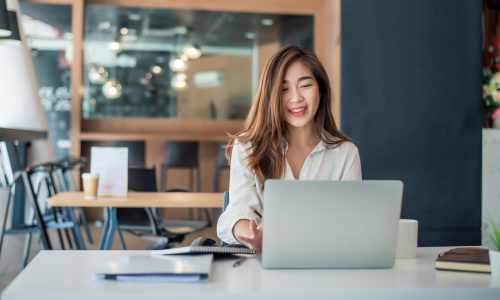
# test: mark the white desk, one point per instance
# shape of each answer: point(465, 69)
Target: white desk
point(69, 275)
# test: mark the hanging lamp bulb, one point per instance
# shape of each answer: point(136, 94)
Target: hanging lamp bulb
point(97, 75)
point(178, 65)
point(112, 89)
point(179, 82)
point(192, 51)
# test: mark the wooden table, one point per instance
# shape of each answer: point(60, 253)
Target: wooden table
point(134, 199)
point(141, 199)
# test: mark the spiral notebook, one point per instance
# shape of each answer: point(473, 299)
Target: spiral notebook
point(203, 245)
point(204, 250)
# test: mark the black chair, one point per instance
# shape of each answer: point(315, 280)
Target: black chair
point(221, 164)
point(181, 154)
point(45, 181)
point(136, 152)
point(67, 183)
point(224, 206)
point(143, 222)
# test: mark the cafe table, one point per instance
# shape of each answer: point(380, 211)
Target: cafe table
point(134, 200)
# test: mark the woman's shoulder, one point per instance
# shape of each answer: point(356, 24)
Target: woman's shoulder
point(240, 146)
point(348, 146)
point(333, 142)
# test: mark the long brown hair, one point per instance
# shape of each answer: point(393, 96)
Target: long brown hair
point(265, 126)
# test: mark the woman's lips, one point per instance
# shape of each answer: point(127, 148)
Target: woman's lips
point(298, 111)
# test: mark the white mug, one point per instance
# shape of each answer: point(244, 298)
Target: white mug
point(407, 239)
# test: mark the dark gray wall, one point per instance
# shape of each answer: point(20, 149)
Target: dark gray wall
point(411, 100)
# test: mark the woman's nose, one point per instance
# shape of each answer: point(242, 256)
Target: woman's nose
point(296, 96)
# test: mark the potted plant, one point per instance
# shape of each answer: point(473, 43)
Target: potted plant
point(491, 85)
point(494, 236)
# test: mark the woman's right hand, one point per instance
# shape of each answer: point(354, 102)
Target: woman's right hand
point(248, 233)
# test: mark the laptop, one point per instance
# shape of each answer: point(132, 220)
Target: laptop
point(330, 224)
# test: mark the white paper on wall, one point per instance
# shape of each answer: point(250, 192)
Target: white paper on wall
point(490, 181)
point(111, 163)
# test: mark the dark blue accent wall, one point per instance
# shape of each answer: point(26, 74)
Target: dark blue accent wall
point(411, 100)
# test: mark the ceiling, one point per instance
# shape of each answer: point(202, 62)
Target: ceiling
point(174, 27)
point(207, 28)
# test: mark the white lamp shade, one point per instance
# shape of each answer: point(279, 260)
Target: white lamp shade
point(20, 105)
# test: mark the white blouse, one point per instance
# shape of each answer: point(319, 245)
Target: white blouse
point(245, 193)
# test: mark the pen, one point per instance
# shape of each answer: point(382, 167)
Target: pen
point(239, 261)
point(257, 213)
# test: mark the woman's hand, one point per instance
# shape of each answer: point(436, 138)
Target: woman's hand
point(248, 233)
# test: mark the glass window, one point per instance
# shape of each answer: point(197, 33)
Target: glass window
point(48, 32)
point(178, 63)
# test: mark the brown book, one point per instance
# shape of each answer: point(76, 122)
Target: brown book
point(468, 259)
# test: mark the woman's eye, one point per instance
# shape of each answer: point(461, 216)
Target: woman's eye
point(285, 89)
point(307, 85)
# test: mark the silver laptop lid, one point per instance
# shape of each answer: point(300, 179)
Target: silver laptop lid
point(330, 224)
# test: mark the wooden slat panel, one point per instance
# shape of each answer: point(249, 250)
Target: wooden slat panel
point(76, 75)
point(51, 2)
point(100, 136)
point(162, 126)
point(299, 7)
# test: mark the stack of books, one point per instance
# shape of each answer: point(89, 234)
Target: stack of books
point(468, 259)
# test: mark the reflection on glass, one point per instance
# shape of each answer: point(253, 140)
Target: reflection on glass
point(48, 33)
point(179, 64)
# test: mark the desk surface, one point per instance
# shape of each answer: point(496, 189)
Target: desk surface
point(141, 199)
point(13, 134)
point(69, 275)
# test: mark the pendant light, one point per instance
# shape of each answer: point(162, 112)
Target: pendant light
point(192, 51)
point(4, 23)
point(112, 89)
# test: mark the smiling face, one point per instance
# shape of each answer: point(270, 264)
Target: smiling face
point(300, 99)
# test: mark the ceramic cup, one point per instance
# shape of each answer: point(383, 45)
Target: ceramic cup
point(90, 185)
point(407, 239)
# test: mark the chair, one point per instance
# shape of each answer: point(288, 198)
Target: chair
point(47, 175)
point(180, 154)
point(221, 164)
point(136, 152)
point(143, 222)
point(67, 183)
point(35, 178)
point(224, 206)
point(22, 229)
point(139, 180)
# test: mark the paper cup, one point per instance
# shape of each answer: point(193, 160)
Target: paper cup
point(90, 185)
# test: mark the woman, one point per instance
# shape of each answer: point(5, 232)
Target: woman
point(289, 133)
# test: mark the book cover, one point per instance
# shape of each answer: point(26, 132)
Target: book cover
point(179, 268)
point(467, 259)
